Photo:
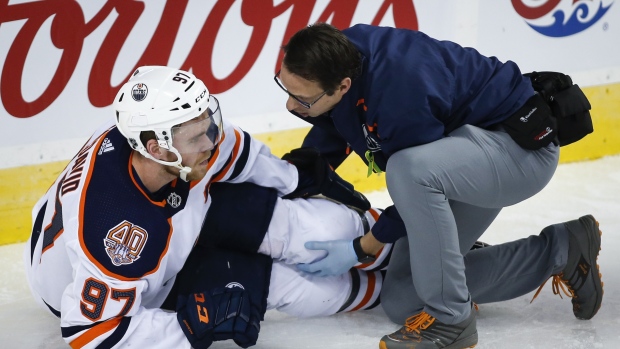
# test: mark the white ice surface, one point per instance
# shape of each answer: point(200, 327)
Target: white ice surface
point(577, 189)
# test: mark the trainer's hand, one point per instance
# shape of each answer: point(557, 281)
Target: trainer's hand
point(222, 313)
point(340, 257)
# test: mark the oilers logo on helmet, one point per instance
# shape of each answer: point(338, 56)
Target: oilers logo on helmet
point(139, 92)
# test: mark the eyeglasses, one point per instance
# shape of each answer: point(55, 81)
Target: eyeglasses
point(303, 103)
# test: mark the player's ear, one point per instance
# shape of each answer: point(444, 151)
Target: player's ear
point(153, 148)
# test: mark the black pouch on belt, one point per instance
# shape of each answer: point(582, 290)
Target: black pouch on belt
point(533, 125)
point(569, 104)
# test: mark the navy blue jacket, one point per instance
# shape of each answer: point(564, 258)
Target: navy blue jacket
point(413, 90)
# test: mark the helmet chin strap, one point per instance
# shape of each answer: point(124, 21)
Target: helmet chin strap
point(184, 171)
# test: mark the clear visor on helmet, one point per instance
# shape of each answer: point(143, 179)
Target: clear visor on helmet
point(200, 134)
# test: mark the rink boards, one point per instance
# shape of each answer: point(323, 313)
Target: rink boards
point(20, 187)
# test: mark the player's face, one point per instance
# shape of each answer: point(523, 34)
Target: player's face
point(308, 92)
point(195, 140)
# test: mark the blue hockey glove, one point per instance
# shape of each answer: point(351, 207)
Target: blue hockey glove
point(340, 257)
point(223, 313)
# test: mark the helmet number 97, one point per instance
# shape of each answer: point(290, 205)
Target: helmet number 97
point(180, 78)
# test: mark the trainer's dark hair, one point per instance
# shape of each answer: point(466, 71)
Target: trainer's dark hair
point(322, 53)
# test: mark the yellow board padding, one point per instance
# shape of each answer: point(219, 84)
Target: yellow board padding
point(605, 140)
point(21, 187)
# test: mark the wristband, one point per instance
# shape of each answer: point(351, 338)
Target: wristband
point(362, 256)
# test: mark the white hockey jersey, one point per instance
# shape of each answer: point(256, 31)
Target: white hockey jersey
point(103, 254)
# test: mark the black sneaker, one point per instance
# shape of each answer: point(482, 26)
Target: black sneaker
point(423, 331)
point(581, 278)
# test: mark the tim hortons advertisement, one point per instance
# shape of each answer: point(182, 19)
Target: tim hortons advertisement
point(573, 36)
point(63, 61)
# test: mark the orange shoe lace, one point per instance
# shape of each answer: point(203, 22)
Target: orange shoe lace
point(419, 322)
point(557, 284)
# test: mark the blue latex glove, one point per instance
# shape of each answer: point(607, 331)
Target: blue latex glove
point(340, 257)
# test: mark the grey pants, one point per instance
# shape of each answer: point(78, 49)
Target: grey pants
point(448, 192)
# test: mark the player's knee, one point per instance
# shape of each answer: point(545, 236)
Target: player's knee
point(298, 294)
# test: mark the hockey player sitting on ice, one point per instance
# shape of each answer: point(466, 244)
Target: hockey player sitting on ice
point(111, 236)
